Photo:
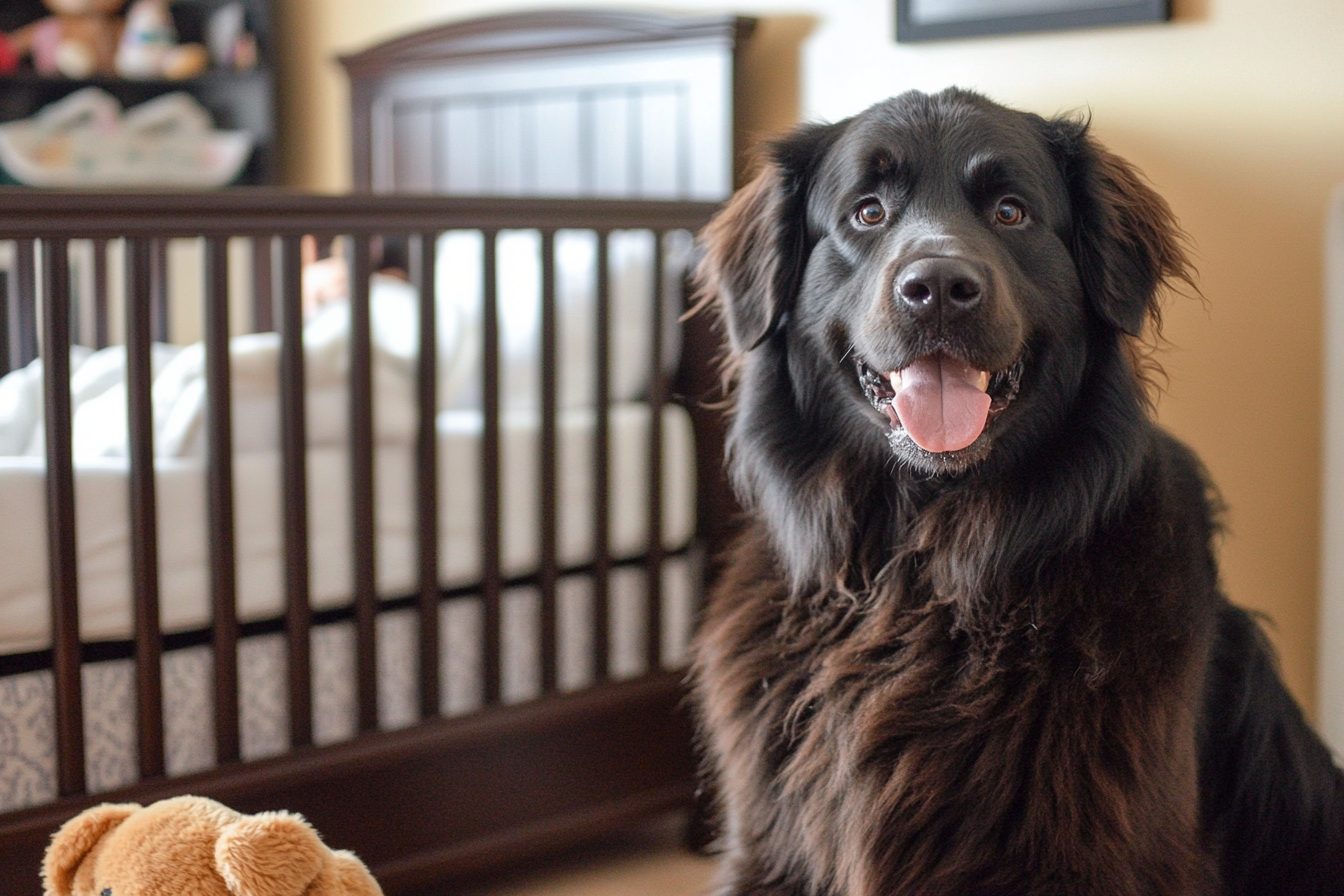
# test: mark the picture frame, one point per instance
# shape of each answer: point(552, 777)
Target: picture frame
point(919, 21)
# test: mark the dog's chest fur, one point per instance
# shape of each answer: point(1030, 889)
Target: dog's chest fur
point(891, 741)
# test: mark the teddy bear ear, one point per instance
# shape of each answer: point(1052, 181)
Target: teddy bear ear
point(72, 843)
point(269, 854)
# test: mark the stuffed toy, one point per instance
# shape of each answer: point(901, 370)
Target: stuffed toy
point(78, 41)
point(192, 846)
point(9, 54)
point(149, 47)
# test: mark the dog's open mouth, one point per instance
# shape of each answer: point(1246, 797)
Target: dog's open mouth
point(943, 404)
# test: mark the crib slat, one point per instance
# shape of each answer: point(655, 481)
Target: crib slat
point(61, 543)
point(159, 288)
point(548, 571)
point(144, 524)
point(491, 578)
point(422, 253)
point(657, 397)
point(100, 335)
point(601, 463)
point(6, 349)
point(24, 295)
point(362, 486)
point(294, 470)
point(223, 581)
point(263, 285)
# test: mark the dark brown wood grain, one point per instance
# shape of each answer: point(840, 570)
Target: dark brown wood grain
point(159, 288)
point(657, 398)
point(491, 576)
point(143, 512)
point(423, 253)
point(377, 75)
point(362, 522)
point(288, 280)
point(266, 210)
point(6, 303)
point(602, 463)
point(100, 321)
point(548, 570)
point(23, 293)
point(62, 563)
point(263, 284)
point(219, 454)
point(519, 35)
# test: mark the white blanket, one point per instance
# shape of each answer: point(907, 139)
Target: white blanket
point(103, 528)
point(98, 386)
point(98, 381)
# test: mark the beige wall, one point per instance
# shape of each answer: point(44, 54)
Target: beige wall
point(1236, 113)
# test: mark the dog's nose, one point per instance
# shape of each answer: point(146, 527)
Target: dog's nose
point(946, 286)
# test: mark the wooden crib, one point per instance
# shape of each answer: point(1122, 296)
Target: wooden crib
point(445, 795)
point(629, 116)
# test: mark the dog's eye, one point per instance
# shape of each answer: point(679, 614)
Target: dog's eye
point(871, 213)
point(1009, 213)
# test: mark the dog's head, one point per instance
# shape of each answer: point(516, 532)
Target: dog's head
point(934, 278)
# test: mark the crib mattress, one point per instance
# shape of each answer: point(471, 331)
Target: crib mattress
point(102, 524)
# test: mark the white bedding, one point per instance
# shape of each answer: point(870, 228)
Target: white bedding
point(100, 447)
point(102, 522)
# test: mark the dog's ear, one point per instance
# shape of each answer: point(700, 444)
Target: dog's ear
point(755, 249)
point(1126, 241)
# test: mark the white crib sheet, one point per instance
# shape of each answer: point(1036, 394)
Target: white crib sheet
point(102, 526)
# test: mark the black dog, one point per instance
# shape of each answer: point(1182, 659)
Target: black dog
point(973, 641)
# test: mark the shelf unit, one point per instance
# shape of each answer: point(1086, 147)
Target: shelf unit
point(236, 99)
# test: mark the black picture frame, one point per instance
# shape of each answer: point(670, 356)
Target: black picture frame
point(918, 21)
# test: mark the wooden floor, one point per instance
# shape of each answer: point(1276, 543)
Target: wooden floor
point(649, 861)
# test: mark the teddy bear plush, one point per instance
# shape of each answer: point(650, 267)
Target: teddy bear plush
point(192, 846)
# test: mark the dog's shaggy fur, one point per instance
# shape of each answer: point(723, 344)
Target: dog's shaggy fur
point(1002, 667)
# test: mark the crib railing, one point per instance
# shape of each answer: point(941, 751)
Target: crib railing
point(36, 315)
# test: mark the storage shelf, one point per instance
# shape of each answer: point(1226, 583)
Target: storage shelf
point(236, 99)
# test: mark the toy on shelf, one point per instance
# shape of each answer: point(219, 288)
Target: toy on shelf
point(79, 39)
point(87, 39)
point(9, 54)
point(192, 846)
point(149, 47)
point(231, 45)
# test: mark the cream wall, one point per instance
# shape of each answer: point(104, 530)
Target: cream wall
point(1236, 112)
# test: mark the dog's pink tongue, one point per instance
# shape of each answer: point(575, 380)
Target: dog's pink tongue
point(940, 404)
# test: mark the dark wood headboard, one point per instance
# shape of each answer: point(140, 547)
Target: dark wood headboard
point(447, 110)
point(569, 103)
